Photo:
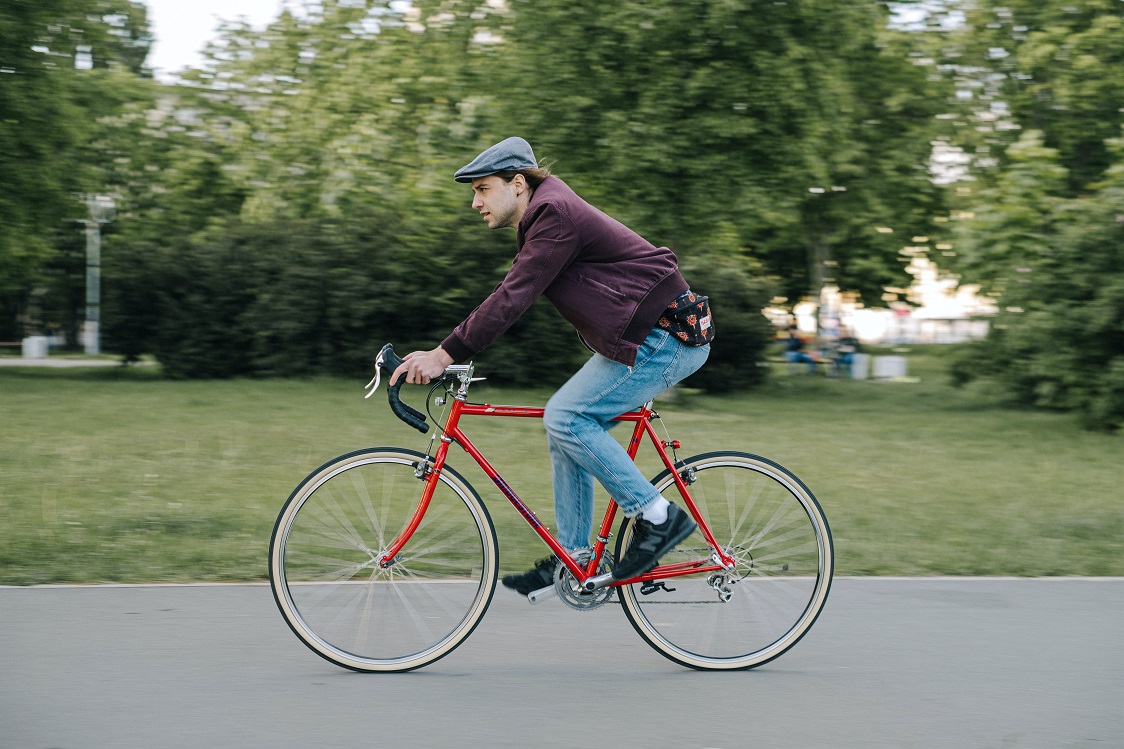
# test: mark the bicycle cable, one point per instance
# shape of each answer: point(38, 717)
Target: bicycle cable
point(669, 442)
point(444, 402)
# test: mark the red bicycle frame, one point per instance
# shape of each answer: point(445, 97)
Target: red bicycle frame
point(642, 418)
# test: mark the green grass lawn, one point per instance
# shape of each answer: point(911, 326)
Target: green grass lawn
point(115, 474)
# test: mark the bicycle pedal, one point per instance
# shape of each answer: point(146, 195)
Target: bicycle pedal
point(648, 589)
point(542, 593)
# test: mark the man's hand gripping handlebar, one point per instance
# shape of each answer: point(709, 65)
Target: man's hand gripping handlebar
point(390, 361)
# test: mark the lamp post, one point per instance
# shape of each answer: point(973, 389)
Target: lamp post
point(100, 208)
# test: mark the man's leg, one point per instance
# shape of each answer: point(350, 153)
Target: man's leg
point(574, 514)
point(577, 420)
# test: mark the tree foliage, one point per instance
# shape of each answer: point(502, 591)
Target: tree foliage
point(353, 134)
point(1046, 230)
point(783, 131)
point(1058, 265)
point(287, 208)
point(63, 64)
point(1054, 67)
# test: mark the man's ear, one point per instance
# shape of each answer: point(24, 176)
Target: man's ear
point(519, 182)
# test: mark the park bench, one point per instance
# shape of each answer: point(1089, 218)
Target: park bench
point(822, 364)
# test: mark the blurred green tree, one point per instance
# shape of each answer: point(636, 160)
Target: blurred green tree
point(63, 64)
point(1041, 115)
point(345, 124)
point(1048, 65)
point(784, 131)
point(778, 134)
point(1057, 264)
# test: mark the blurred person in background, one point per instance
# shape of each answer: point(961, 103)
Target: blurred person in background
point(844, 349)
point(794, 350)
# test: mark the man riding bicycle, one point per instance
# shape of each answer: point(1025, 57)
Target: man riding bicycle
point(630, 305)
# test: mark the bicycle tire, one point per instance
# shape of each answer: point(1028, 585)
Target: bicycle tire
point(772, 524)
point(330, 589)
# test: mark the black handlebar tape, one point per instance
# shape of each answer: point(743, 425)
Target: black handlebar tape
point(405, 412)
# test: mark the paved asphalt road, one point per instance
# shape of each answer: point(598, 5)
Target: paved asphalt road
point(891, 663)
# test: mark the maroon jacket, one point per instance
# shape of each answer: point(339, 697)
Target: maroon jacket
point(605, 279)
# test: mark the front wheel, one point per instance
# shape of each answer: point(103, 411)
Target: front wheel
point(326, 552)
point(769, 522)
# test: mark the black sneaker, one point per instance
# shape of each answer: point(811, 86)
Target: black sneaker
point(542, 576)
point(651, 541)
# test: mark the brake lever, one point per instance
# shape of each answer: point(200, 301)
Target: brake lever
point(373, 385)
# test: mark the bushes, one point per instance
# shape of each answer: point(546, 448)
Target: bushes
point(742, 332)
point(1056, 359)
point(293, 299)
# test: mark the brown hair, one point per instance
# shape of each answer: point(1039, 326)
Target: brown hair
point(534, 177)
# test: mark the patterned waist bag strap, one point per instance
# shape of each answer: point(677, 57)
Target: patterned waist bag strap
point(688, 318)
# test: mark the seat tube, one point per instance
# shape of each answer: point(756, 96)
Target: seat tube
point(605, 532)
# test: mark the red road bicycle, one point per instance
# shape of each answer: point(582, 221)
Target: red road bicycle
point(385, 559)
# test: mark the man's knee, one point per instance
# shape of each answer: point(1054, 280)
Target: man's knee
point(564, 421)
point(557, 418)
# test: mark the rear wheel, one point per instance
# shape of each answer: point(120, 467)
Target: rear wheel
point(769, 522)
point(330, 538)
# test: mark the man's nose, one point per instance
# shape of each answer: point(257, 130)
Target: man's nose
point(477, 203)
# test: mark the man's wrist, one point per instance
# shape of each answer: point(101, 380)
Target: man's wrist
point(455, 349)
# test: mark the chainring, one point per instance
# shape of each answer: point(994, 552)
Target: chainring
point(576, 597)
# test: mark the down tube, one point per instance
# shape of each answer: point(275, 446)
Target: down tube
point(528, 514)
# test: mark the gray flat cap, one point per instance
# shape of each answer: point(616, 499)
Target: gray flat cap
point(507, 155)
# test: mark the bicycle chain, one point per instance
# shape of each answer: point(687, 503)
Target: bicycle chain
point(721, 581)
point(579, 599)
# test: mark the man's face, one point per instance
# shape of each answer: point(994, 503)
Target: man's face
point(497, 201)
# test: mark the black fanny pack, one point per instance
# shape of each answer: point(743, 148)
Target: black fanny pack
point(688, 318)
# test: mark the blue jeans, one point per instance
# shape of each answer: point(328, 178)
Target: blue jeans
point(579, 415)
point(796, 357)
